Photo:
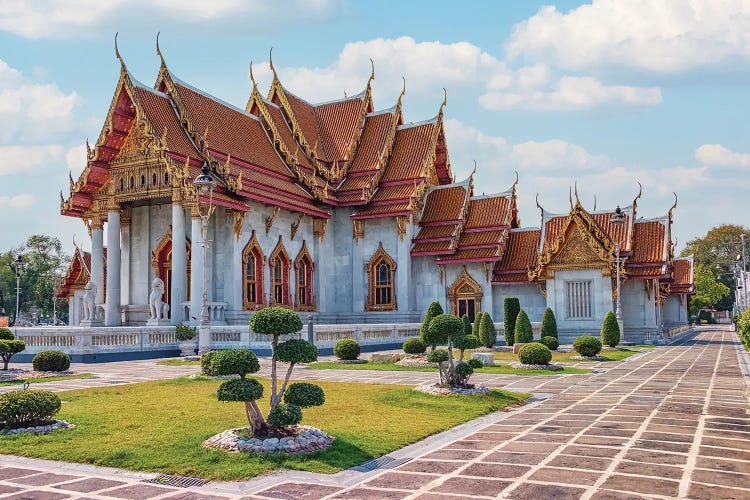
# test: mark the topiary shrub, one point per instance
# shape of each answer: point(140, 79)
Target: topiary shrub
point(283, 415)
point(435, 309)
point(233, 362)
point(51, 361)
point(438, 356)
point(549, 324)
point(465, 342)
point(296, 351)
point(414, 346)
point(610, 330)
point(240, 389)
point(523, 333)
point(9, 346)
point(474, 363)
point(20, 409)
point(487, 331)
point(184, 332)
point(467, 325)
point(588, 346)
point(477, 324)
point(304, 395)
point(347, 349)
point(463, 372)
point(206, 359)
point(534, 353)
point(551, 342)
point(511, 309)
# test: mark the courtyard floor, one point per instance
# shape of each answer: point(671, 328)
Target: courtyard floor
point(670, 422)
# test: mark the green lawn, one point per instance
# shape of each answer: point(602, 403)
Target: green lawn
point(177, 362)
point(38, 380)
point(567, 357)
point(498, 369)
point(159, 426)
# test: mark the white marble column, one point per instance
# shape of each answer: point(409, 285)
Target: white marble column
point(112, 315)
point(178, 293)
point(125, 260)
point(97, 260)
point(403, 283)
point(196, 270)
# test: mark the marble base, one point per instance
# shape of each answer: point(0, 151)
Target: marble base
point(158, 322)
point(88, 323)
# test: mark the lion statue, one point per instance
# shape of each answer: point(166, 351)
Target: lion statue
point(89, 297)
point(157, 308)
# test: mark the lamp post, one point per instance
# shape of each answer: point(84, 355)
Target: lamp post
point(18, 266)
point(617, 220)
point(204, 187)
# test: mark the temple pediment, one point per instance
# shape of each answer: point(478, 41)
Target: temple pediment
point(578, 251)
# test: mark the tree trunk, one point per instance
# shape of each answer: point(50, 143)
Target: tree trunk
point(255, 418)
point(6, 360)
point(451, 364)
point(283, 386)
point(274, 344)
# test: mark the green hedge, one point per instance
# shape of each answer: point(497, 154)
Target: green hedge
point(511, 309)
point(51, 361)
point(414, 346)
point(587, 345)
point(743, 328)
point(523, 333)
point(534, 353)
point(20, 409)
point(346, 349)
point(610, 330)
point(549, 324)
point(551, 342)
point(487, 331)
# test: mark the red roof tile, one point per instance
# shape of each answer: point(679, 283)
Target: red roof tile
point(491, 211)
point(444, 204)
point(338, 123)
point(431, 247)
point(383, 211)
point(682, 273)
point(431, 232)
point(286, 135)
point(473, 254)
point(163, 117)
point(648, 242)
point(520, 252)
point(373, 143)
point(410, 151)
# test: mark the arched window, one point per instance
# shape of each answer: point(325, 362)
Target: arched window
point(465, 296)
point(279, 264)
point(252, 270)
point(153, 179)
point(381, 272)
point(303, 264)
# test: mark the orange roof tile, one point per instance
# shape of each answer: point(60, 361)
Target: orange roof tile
point(286, 135)
point(162, 116)
point(520, 251)
point(431, 247)
point(646, 271)
point(682, 272)
point(410, 150)
point(648, 242)
point(382, 211)
point(338, 123)
point(473, 254)
point(616, 232)
point(373, 142)
point(397, 192)
point(480, 238)
point(444, 204)
point(488, 211)
point(305, 115)
point(355, 183)
point(431, 232)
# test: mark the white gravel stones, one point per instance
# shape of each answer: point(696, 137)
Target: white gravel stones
point(438, 390)
point(39, 429)
point(550, 366)
point(21, 374)
point(415, 361)
point(351, 361)
point(308, 440)
point(590, 358)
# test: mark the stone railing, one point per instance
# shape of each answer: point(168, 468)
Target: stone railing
point(216, 312)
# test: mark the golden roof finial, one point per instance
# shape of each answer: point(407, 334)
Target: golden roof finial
point(638, 196)
point(474, 170)
point(372, 72)
point(158, 51)
point(516, 181)
point(270, 63)
point(117, 54)
point(445, 101)
point(403, 88)
point(164, 137)
point(89, 152)
point(594, 210)
point(673, 206)
point(62, 198)
point(186, 168)
point(252, 77)
point(570, 197)
point(239, 181)
point(578, 202)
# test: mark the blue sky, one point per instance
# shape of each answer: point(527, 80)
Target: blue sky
point(604, 94)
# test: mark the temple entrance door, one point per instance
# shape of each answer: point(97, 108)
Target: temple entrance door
point(465, 296)
point(467, 306)
point(162, 265)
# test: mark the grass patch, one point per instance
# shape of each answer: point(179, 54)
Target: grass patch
point(38, 380)
point(177, 362)
point(567, 357)
point(159, 426)
point(393, 367)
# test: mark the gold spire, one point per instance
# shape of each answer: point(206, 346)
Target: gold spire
point(372, 72)
point(673, 207)
point(445, 101)
point(123, 69)
point(637, 197)
point(252, 77)
point(578, 201)
point(158, 51)
point(270, 63)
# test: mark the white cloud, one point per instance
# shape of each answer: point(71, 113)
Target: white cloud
point(569, 93)
point(75, 159)
point(716, 154)
point(654, 35)
point(17, 201)
point(30, 110)
point(28, 159)
point(76, 18)
point(555, 154)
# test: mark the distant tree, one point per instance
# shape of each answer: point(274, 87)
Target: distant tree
point(708, 290)
point(435, 309)
point(467, 325)
point(549, 324)
point(511, 308)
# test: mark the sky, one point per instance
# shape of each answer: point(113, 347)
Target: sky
point(602, 94)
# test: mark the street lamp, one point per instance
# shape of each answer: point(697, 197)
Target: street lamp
point(18, 266)
point(204, 187)
point(618, 219)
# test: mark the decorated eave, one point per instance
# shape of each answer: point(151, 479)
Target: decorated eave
point(520, 256)
point(650, 249)
point(682, 279)
point(79, 273)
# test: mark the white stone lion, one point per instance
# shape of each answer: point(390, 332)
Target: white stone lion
point(89, 297)
point(158, 308)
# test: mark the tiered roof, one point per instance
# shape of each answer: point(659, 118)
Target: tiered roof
point(79, 273)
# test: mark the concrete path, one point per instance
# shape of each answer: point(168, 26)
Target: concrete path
point(673, 422)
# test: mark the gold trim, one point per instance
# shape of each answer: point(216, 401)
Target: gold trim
point(270, 219)
point(380, 255)
point(465, 287)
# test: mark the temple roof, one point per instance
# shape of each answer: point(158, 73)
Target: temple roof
point(521, 253)
point(682, 275)
point(79, 273)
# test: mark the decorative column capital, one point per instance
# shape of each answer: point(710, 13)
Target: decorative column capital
point(97, 222)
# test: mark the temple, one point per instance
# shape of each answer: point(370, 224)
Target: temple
point(341, 211)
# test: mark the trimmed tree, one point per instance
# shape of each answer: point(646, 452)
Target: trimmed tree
point(465, 342)
point(523, 333)
point(9, 346)
point(511, 309)
point(549, 324)
point(477, 324)
point(487, 331)
point(246, 390)
point(447, 328)
point(467, 325)
point(610, 330)
point(434, 310)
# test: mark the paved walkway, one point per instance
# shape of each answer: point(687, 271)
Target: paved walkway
point(673, 422)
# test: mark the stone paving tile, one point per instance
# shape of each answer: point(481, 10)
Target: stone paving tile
point(89, 485)
point(291, 491)
point(740, 466)
point(4, 489)
point(43, 479)
point(566, 476)
point(398, 480)
point(709, 492)
point(495, 471)
point(472, 486)
point(573, 462)
point(515, 458)
point(12, 472)
point(615, 495)
point(36, 495)
point(545, 491)
point(373, 494)
point(139, 491)
point(432, 466)
point(647, 485)
point(190, 495)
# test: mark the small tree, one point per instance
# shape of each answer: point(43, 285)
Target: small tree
point(9, 346)
point(549, 324)
point(477, 324)
point(447, 328)
point(434, 310)
point(487, 331)
point(247, 390)
point(610, 330)
point(511, 308)
point(465, 342)
point(467, 325)
point(523, 333)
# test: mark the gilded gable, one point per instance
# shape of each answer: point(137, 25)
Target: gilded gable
point(577, 252)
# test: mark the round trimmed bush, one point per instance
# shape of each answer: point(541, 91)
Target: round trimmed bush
point(551, 342)
point(587, 345)
point(534, 353)
point(433, 310)
point(464, 370)
point(438, 356)
point(285, 415)
point(51, 361)
point(347, 349)
point(610, 330)
point(275, 321)
point(487, 331)
point(240, 389)
point(549, 324)
point(466, 342)
point(475, 363)
point(304, 395)
point(184, 332)
point(232, 362)
point(6, 333)
point(414, 346)
point(296, 351)
point(28, 408)
point(442, 327)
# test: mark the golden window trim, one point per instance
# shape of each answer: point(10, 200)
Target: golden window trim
point(253, 246)
point(380, 255)
point(465, 287)
point(304, 254)
point(279, 252)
